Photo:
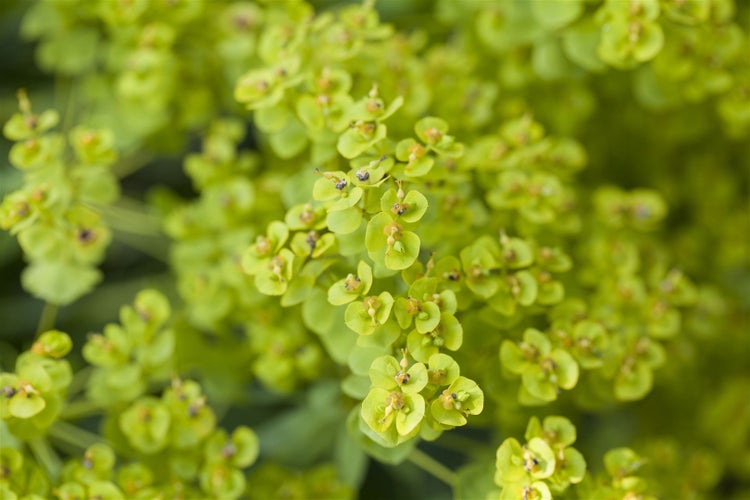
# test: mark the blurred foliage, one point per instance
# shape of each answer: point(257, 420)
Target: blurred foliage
point(422, 248)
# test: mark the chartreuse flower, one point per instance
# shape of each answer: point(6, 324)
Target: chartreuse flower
point(463, 397)
point(447, 334)
point(536, 196)
point(544, 370)
point(146, 424)
point(518, 288)
point(635, 376)
point(275, 277)
point(264, 88)
point(54, 344)
point(313, 245)
point(98, 489)
point(433, 134)
point(93, 147)
point(96, 465)
point(630, 32)
point(370, 172)
point(24, 395)
point(130, 355)
point(240, 449)
point(478, 262)
point(393, 407)
point(343, 212)
point(560, 434)
point(621, 465)
point(424, 305)
point(366, 128)
point(305, 217)
point(368, 314)
point(640, 209)
point(258, 255)
point(587, 340)
point(136, 481)
point(404, 207)
point(351, 287)
point(192, 419)
point(389, 243)
point(21, 478)
point(521, 470)
point(327, 103)
point(221, 475)
point(26, 124)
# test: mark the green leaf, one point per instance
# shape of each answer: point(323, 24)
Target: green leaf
point(410, 209)
point(404, 252)
point(516, 253)
point(566, 369)
point(431, 130)
point(559, 430)
point(58, 282)
point(580, 45)
point(650, 42)
point(370, 442)
point(365, 316)
point(539, 384)
point(555, 15)
point(633, 384)
point(344, 221)
point(290, 141)
point(409, 418)
point(428, 318)
point(352, 143)
point(53, 343)
point(383, 372)
point(273, 119)
point(373, 410)
point(513, 358)
point(622, 462)
point(246, 447)
point(443, 370)
point(26, 405)
point(509, 463)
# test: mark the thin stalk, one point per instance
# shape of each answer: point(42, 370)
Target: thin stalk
point(46, 456)
point(80, 409)
point(131, 164)
point(433, 467)
point(154, 247)
point(130, 220)
point(73, 435)
point(79, 380)
point(47, 319)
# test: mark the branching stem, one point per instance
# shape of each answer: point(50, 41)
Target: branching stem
point(46, 457)
point(47, 318)
point(73, 435)
point(433, 467)
point(80, 409)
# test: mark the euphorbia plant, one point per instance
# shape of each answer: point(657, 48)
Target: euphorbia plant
point(387, 250)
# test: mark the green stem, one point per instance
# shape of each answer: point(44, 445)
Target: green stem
point(131, 164)
point(73, 435)
point(79, 380)
point(47, 319)
point(131, 220)
point(80, 409)
point(155, 247)
point(433, 467)
point(46, 457)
